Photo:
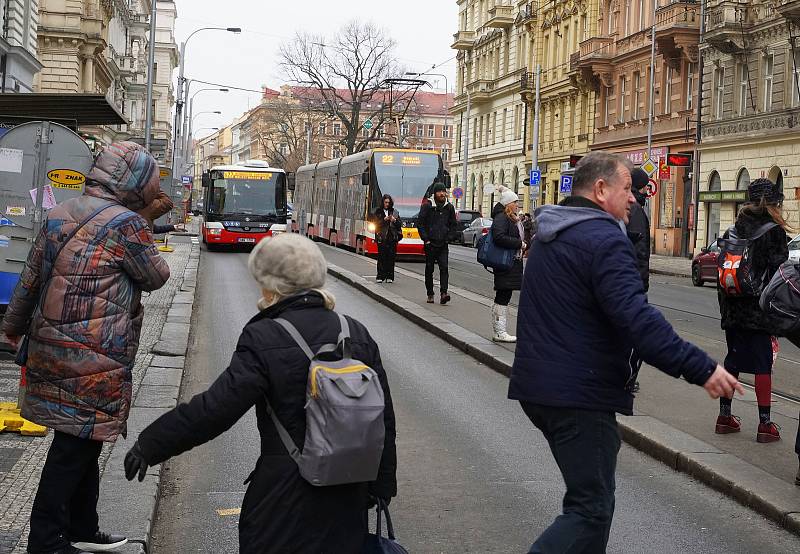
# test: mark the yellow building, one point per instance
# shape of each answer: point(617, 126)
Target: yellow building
point(500, 43)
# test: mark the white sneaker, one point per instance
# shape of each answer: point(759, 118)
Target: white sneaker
point(379, 280)
point(390, 280)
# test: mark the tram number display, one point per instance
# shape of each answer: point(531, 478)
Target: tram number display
point(250, 175)
point(402, 159)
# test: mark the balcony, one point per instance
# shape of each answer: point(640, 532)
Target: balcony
point(678, 31)
point(480, 90)
point(500, 17)
point(594, 60)
point(463, 40)
point(527, 14)
point(727, 23)
point(790, 9)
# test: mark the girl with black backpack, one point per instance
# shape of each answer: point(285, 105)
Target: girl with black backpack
point(749, 331)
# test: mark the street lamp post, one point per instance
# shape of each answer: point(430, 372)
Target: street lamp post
point(181, 82)
point(186, 143)
point(151, 61)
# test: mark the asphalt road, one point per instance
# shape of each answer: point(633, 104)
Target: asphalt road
point(474, 476)
point(693, 311)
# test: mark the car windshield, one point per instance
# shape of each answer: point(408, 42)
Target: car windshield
point(466, 217)
point(795, 243)
point(406, 177)
point(247, 193)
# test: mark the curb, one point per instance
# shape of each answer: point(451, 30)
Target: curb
point(749, 485)
point(132, 505)
point(669, 273)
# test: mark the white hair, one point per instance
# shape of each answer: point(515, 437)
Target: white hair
point(289, 263)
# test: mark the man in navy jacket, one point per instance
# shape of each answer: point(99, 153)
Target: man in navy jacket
point(582, 309)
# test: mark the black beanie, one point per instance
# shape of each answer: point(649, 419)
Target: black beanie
point(639, 178)
point(439, 187)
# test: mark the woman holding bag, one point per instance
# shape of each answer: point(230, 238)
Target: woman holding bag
point(388, 232)
point(507, 232)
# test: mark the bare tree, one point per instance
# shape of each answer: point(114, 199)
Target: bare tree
point(281, 131)
point(350, 75)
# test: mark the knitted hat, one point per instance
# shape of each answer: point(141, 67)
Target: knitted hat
point(507, 197)
point(639, 178)
point(766, 190)
point(439, 187)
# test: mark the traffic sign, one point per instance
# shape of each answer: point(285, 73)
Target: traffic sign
point(663, 169)
point(652, 188)
point(535, 190)
point(186, 179)
point(536, 177)
point(458, 192)
point(566, 184)
point(368, 124)
point(649, 167)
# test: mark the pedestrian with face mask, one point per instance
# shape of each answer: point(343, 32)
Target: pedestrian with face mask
point(437, 226)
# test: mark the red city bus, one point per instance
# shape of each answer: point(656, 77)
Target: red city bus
point(334, 200)
point(243, 203)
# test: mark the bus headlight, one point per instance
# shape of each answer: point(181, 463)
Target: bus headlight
point(214, 228)
point(371, 227)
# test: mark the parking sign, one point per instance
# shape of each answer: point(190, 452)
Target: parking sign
point(536, 177)
point(566, 184)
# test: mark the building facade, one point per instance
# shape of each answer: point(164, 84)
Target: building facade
point(616, 61)
point(18, 46)
point(751, 109)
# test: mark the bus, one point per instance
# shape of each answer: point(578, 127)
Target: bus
point(243, 203)
point(334, 199)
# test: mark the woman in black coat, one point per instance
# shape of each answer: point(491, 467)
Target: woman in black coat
point(388, 232)
point(281, 511)
point(749, 331)
point(507, 233)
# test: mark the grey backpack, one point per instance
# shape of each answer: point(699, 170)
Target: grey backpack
point(344, 415)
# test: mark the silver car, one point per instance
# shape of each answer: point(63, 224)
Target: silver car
point(478, 227)
point(794, 250)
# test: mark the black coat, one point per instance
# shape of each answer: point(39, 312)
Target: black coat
point(505, 234)
point(639, 232)
point(438, 224)
point(769, 252)
point(281, 512)
point(386, 232)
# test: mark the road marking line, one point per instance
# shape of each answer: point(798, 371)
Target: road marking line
point(229, 512)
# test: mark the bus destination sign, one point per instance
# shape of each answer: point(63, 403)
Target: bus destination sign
point(251, 175)
point(402, 159)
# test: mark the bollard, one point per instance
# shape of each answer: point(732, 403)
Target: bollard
point(166, 247)
point(10, 418)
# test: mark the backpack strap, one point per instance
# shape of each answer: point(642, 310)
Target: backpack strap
point(296, 336)
point(286, 438)
point(344, 337)
point(763, 230)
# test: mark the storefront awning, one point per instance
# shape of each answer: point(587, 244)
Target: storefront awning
point(72, 110)
point(723, 196)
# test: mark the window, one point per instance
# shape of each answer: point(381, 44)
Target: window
point(741, 70)
point(584, 27)
point(446, 131)
point(381, 132)
point(606, 105)
point(445, 153)
point(621, 99)
point(420, 130)
point(323, 128)
point(431, 131)
point(459, 137)
point(795, 69)
point(505, 123)
point(365, 132)
point(494, 128)
point(337, 153)
point(641, 15)
point(488, 130)
point(719, 92)
point(691, 69)
point(637, 95)
point(337, 129)
point(769, 68)
point(404, 128)
point(284, 148)
point(667, 97)
point(307, 127)
point(627, 23)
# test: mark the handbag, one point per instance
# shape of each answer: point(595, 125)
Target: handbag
point(21, 358)
point(377, 543)
point(492, 256)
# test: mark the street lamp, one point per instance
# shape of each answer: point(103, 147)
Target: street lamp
point(446, 107)
point(187, 128)
point(181, 79)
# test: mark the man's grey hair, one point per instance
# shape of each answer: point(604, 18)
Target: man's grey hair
point(595, 166)
point(289, 263)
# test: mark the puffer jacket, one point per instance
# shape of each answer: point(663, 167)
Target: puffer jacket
point(84, 333)
point(505, 234)
point(769, 252)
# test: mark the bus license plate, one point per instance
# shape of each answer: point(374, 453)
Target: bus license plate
point(247, 240)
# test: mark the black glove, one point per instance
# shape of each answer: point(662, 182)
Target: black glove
point(135, 462)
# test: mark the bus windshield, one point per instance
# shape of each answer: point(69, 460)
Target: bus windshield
point(406, 177)
point(247, 193)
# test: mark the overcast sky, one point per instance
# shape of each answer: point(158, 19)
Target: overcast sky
point(423, 30)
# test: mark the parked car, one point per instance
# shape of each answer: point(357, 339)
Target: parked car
point(470, 235)
point(794, 250)
point(704, 265)
point(465, 217)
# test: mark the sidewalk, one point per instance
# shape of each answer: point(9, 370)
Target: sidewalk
point(674, 421)
point(668, 265)
point(21, 458)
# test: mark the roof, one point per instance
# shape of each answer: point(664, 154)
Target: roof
point(78, 109)
point(428, 103)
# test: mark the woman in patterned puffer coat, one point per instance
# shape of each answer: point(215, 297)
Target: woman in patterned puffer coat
point(83, 335)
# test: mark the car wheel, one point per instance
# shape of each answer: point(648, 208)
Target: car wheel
point(696, 279)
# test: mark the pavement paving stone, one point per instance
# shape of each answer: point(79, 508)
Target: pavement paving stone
point(156, 396)
point(168, 361)
point(174, 340)
point(163, 376)
point(18, 485)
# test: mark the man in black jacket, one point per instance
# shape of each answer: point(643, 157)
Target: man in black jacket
point(639, 225)
point(437, 226)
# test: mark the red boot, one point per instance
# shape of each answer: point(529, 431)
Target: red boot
point(768, 432)
point(728, 424)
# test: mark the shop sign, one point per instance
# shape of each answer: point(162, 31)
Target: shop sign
point(723, 196)
point(638, 157)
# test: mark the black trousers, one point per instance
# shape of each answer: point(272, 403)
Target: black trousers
point(502, 297)
point(387, 254)
point(436, 255)
point(65, 507)
point(585, 444)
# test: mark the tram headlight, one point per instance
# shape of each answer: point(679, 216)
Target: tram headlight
point(371, 227)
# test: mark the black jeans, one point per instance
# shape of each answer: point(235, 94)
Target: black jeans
point(502, 297)
point(585, 444)
point(65, 507)
point(387, 254)
point(436, 255)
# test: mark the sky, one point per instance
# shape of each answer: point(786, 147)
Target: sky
point(423, 30)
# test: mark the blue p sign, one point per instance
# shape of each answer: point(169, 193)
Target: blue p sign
point(566, 184)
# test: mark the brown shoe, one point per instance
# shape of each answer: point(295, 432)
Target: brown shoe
point(768, 432)
point(430, 299)
point(445, 299)
point(728, 424)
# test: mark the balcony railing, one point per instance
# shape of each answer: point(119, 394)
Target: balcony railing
point(683, 13)
point(527, 13)
point(500, 17)
point(463, 40)
point(597, 48)
point(789, 9)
